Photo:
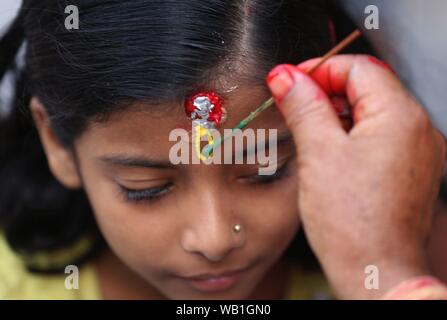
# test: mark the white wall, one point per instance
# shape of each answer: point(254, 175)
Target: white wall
point(8, 10)
point(412, 39)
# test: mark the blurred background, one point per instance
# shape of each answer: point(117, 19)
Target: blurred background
point(7, 10)
point(412, 39)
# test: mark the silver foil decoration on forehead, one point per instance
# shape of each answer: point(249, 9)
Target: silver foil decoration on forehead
point(206, 109)
point(202, 111)
point(203, 108)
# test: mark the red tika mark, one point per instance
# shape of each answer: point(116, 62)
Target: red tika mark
point(215, 114)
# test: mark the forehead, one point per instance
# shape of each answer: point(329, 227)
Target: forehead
point(145, 128)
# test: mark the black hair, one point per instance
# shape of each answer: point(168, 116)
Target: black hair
point(151, 51)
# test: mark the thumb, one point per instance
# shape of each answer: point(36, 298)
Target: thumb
point(307, 110)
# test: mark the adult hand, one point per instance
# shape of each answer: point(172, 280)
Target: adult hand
point(365, 195)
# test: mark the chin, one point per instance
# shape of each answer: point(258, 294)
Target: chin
point(235, 294)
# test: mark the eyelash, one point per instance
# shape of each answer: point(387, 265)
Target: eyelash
point(154, 194)
point(266, 179)
point(150, 194)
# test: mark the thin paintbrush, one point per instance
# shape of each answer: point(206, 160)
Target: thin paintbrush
point(208, 149)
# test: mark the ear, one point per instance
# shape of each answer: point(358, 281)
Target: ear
point(61, 159)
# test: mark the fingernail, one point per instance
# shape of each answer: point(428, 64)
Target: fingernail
point(280, 80)
point(381, 64)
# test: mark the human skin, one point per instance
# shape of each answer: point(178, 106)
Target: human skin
point(365, 196)
point(188, 230)
point(437, 246)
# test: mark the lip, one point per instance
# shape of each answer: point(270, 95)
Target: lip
point(215, 282)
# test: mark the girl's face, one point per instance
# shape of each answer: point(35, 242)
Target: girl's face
point(173, 225)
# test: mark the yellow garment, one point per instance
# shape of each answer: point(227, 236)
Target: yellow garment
point(307, 286)
point(17, 283)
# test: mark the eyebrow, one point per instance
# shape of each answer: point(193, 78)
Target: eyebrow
point(124, 160)
point(131, 161)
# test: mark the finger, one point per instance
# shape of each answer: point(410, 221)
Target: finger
point(343, 109)
point(306, 108)
point(368, 83)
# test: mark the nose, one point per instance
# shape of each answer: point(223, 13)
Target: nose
point(211, 229)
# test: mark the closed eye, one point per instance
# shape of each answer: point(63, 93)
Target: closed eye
point(265, 179)
point(149, 194)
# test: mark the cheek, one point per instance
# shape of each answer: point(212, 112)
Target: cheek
point(273, 218)
point(140, 235)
